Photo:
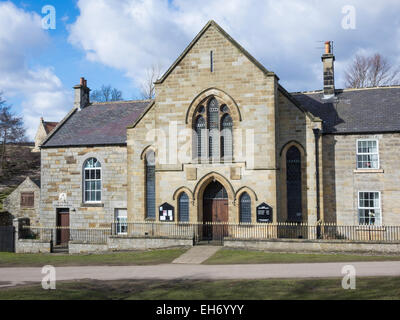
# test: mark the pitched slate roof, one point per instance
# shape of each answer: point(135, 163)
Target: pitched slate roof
point(97, 124)
point(355, 110)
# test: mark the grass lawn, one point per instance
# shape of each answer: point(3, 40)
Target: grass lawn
point(276, 289)
point(236, 256)
point(118, 258)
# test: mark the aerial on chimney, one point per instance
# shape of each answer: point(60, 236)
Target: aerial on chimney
point(329, 75)
point(82, 93)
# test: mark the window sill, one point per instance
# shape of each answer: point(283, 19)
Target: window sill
point(368, 171)
point(89, 205)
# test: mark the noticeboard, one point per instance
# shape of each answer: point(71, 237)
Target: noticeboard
point(264, 213)
point(166, 212)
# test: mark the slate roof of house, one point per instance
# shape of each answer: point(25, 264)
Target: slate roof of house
point(36, 181)
point(49, 126)
point(97, 124)
point(355, 110)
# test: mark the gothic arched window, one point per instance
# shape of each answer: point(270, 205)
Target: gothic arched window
point(226, 138)
point(92, 180)
point(245, 208)
point(150, 185)
point(183, 207)
point(200, 127)
point(213, 131)
point(293, 184)
point(213, 124)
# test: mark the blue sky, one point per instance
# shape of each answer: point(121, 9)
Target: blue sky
point(116, 41)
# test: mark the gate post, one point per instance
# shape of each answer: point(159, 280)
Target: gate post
point(16, 234)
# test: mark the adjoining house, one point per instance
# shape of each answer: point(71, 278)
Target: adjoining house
point(44, 129)
point(24, 201)
point(223, 141)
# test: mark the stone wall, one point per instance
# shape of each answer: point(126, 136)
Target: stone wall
point(62, 170)
point(342, 181)
point(314, 246)
point(252, 97)
point(142, 243)
point(128, 243)
point(32, 246)
point(75, 247)
point(12, 203)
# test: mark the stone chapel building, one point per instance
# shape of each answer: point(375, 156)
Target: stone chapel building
point(222, 139)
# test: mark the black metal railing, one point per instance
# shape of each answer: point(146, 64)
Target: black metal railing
point(213, 232)
point(61, 236)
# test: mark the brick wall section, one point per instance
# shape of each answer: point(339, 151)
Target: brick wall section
point(62, 173)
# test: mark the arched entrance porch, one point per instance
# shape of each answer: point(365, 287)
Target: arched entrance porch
point(215, 211)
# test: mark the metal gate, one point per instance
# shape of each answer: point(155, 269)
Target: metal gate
point(7, 239)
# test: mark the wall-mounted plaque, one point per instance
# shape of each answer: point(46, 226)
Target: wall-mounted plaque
point(166, 212)
point(264, 213)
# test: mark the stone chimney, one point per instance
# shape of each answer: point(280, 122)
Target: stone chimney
point(329, 75)
point(82, 93)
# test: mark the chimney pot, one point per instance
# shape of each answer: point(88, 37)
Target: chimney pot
point(328, 60)
point(327, 47)
point(82, 94)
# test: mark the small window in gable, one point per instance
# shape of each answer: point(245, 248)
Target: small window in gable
point(27, 199)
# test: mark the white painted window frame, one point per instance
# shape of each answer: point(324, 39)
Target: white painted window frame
point(118, 221)
point(84, 181)
point(378, 222)
point(377, 153)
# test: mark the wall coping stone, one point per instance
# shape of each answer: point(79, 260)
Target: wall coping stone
point(314, 241)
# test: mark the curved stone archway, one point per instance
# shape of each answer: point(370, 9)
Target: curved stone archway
point(198, 193)
point(223, 96)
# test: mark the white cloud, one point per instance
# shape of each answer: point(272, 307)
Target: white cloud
point(131, 35)
point(39, 89)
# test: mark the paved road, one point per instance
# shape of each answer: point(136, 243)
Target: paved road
point(13, 276)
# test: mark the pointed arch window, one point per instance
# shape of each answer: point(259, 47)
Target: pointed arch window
point(245, 208)
point(183, 207)
point(213, 126)
point(213, 137)
point(200, 127)
point(92, 180)
point(150, 185)
point(293, 184)
point(226, 138)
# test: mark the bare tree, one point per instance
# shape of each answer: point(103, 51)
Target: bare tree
point(11, 128)
point(371, 71)
point(106, 93)
point(147, 88)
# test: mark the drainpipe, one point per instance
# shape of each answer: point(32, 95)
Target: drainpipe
point(317, 133)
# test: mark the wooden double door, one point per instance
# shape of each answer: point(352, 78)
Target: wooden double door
point(215, 209)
